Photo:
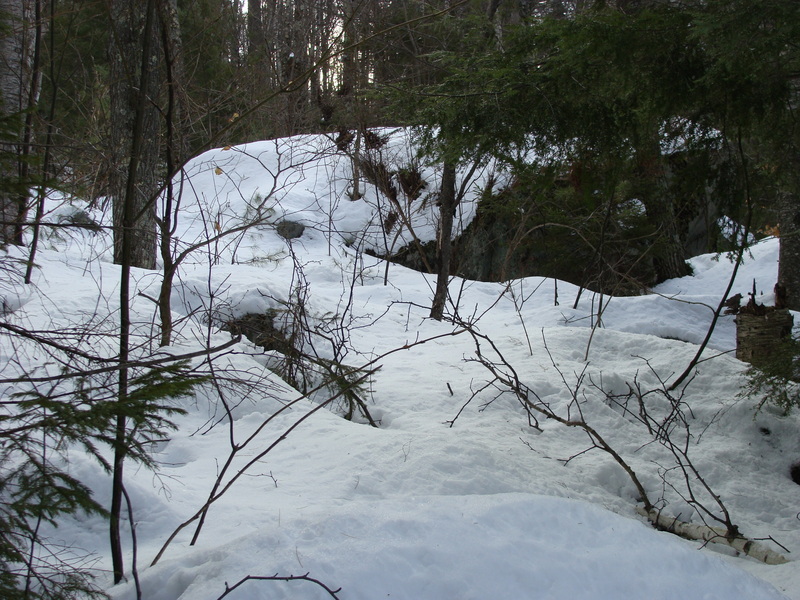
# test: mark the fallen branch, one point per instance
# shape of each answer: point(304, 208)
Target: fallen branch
point(229, 588)
point(716, 535)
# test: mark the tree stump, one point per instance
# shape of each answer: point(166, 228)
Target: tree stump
point(759, 332)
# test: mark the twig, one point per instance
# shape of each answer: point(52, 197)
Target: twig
point(229, 588)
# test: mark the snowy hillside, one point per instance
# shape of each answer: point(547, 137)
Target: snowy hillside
point(460, 492)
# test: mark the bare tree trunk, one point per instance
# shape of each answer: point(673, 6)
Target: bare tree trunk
point(668, 256)
point(131, 205)
point(491, 9)
point(444, 245)
point(256, 39)
point(46, 154)
point(175, 152)
point(134, 76)
point(789, 253)
point(668, 261)
point(178, 111)
point(17, 90)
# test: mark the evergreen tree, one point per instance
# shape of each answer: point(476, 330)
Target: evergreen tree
point(38, 429)
point(751, 86)
point(667, 105)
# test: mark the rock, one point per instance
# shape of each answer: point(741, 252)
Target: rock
point(290, 230)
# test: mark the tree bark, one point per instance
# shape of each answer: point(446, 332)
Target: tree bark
point(491, 9)
point(651, 183)
point(444, 246)
point(256, 40)
point(789, 253)
point(131, 203)
point(17, 87)
point(668, 261)
point(134, 75)
point(175, 152)
point(717, 535)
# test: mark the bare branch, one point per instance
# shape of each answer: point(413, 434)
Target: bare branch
point(230, 588)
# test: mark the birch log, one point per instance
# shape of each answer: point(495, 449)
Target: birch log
point(716, 535)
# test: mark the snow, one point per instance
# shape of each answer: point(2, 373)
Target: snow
point(455, 495)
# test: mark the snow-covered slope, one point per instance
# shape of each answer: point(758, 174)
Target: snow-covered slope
point(457, 494)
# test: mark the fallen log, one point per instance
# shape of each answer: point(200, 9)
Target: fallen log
point(716, 535)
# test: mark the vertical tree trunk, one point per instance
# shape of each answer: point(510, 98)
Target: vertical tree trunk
point(668, 261)
point(256, 38)
point(17, 91)
point(789, 253)
point(178, 110)
point(133, 27)
point(350, 79)
point(46, 153)
point(444, 244)
point(175, 152)
point(491, 9)
point(668, 256)
point(134, 76)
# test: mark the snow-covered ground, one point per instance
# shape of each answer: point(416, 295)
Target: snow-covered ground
point(457, 494)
